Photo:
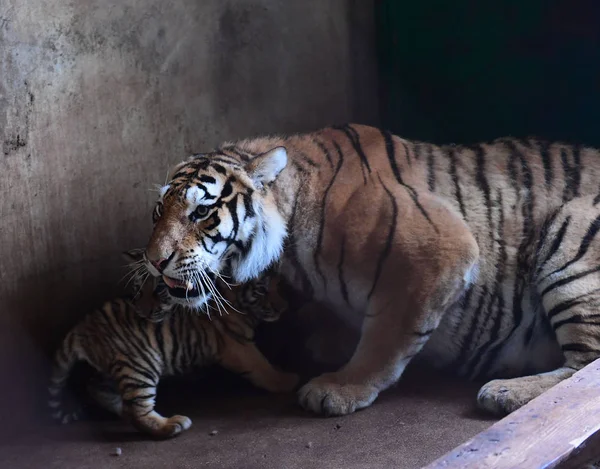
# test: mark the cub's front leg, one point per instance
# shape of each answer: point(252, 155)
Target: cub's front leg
point(245, 359)
point(428, 267)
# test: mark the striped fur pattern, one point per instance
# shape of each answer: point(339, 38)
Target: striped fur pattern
point(132, 353)
point(483, 259)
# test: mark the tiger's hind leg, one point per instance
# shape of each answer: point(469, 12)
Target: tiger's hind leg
point(105, 393)
point(567, 280)
point(138, 391)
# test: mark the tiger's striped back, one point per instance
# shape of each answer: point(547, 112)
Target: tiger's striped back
point(506, 191)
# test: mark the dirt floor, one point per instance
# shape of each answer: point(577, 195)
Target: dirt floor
point(408, 427)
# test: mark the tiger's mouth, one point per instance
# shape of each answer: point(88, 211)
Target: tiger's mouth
point(185, 289)
point(181, 288)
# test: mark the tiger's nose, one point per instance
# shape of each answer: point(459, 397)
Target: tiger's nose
point(161, 264)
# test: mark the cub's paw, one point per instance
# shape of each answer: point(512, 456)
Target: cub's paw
point(324, 396)
point(287, 382)
point(503, 396)
point(154, 315)
point(282, 382)
point(174, 426)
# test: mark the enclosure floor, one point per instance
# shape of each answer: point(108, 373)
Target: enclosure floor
point(407, 427)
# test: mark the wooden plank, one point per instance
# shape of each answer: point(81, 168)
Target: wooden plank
point(553, 430)
point(585, 457)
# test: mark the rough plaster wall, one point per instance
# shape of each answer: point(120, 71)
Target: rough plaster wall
point(97, 99)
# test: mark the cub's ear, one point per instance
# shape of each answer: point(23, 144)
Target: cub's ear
point(264, 168)
point(133, 255)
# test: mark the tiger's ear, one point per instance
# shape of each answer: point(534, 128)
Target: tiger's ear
point(133, 255)
point(264, 168)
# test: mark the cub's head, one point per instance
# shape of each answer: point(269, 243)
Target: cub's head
point(149, 295)
point(262, 299)
point(216, 216)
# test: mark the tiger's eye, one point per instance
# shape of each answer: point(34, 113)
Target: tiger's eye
point(201, 211)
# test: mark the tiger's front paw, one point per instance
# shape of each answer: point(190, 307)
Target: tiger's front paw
point(503, 396)
point(324, 395)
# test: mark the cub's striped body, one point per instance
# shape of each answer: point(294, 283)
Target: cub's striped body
point(132, 353)
point(484, 259)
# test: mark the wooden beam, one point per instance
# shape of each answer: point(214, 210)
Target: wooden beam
point(552, 431)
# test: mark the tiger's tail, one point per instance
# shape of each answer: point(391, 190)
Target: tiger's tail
point(64, 360)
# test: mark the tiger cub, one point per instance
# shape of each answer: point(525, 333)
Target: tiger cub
point(132, 347)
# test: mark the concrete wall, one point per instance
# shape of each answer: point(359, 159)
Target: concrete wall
point(98, 98)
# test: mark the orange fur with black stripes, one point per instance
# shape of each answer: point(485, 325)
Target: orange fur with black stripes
point(483, 259)
point(133, 342)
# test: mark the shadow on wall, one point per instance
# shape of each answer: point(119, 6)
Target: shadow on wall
point(292, 64)
point(96, 103)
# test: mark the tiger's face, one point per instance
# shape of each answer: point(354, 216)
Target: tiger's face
point(215, 217)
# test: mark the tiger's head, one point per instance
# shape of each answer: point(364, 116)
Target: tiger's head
point(216, 217)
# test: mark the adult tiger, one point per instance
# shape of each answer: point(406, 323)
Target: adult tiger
point(487, 254)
